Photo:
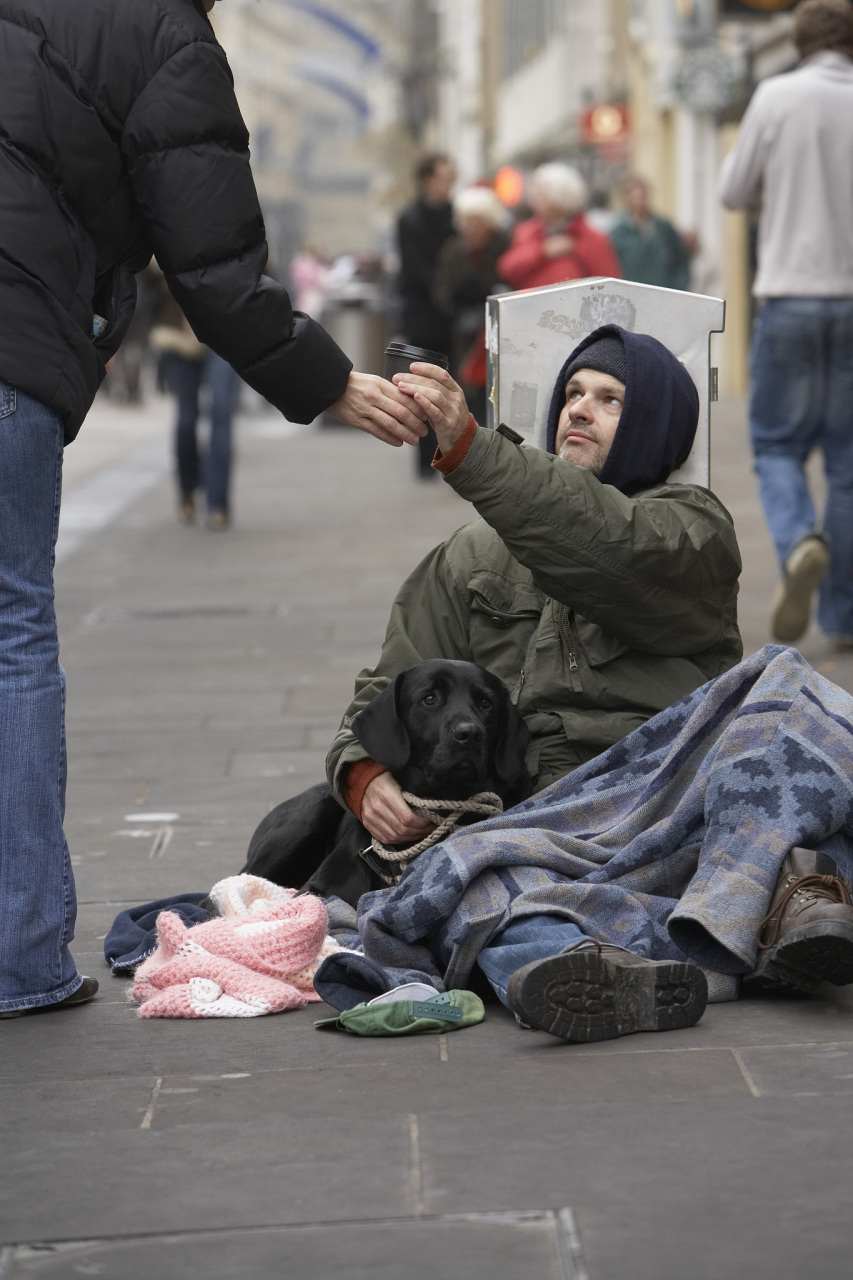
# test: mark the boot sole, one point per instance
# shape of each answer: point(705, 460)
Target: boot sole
point(809, 956)
point(791, 609)
point(584, 997)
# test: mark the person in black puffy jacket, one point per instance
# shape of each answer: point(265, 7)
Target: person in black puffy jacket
point(120, 136)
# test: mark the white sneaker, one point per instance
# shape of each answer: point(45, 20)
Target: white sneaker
point(804, 569)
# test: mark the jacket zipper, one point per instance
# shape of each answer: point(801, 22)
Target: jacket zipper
point(564, 618)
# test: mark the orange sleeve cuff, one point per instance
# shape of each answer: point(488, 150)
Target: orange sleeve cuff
point(357, 779)
point(447, 462)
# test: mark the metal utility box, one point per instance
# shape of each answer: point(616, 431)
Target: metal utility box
point(530, 334)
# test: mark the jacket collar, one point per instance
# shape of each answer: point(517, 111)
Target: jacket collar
point(829, 60)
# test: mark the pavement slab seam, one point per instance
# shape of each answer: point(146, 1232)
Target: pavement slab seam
point(567, 1243)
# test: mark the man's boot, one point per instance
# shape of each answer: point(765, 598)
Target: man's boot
point(595, 991)
point(807, 935)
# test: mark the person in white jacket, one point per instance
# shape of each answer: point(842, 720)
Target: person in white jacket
point(795, 150)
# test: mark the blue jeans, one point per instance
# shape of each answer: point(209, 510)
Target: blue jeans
point(521, 942)
point(801, 398)
point(38, 906)
point(185, 378)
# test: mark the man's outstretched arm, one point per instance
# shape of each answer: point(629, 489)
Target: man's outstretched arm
point(658, 571)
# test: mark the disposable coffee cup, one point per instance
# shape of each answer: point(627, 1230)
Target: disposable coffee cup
point(399, 357)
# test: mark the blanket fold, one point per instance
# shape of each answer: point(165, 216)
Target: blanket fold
point(669, 843)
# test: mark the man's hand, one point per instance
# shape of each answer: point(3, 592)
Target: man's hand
point(387, 816)
point(439, 398)
point(373, 405)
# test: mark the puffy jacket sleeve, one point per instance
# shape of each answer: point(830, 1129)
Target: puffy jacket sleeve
point(187, 152)
point(429, 619)
point(658, 571)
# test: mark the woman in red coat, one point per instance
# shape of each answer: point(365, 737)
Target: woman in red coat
point(558, 243)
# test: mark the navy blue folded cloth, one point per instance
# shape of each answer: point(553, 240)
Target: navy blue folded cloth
point(133, 936)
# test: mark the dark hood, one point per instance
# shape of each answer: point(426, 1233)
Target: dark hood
point(659, 416)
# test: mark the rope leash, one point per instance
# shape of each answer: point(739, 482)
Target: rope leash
point(446, 814)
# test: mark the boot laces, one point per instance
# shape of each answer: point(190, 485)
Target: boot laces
point(807, 889)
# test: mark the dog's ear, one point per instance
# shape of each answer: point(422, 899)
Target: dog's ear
point(380, 729)
point(513, 740)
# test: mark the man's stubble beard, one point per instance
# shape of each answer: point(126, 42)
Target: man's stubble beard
point(596, 463)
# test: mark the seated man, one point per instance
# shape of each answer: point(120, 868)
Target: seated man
point(601, 595)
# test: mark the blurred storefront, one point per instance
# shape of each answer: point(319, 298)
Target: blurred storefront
point(652, 86)
point(342, 95)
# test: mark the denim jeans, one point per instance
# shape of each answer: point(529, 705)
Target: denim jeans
point(38, 906)
point(522, 941)
point(185, 378)
point(801, 398)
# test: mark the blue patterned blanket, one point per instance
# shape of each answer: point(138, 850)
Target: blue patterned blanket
point(669, 843)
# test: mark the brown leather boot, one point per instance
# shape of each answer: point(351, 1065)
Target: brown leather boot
point(807, 935)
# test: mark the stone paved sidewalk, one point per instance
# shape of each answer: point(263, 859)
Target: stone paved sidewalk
point(207, 673)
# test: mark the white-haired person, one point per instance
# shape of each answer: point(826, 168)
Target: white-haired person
point(466, 273)
point(557, 243)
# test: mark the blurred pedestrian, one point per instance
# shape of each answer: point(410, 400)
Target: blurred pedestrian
point(188, 366)
point(421, 231)
point(649, 248)
point(465, 276)
point(310, 277)
point(119, 134)
point(795, 148)
point(557, 243)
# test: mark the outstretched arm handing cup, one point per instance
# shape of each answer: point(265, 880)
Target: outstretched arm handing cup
point(373, 405)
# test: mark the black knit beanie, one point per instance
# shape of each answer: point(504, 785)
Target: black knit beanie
point(658, 422)
point(605, 356)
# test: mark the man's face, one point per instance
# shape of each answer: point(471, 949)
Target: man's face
point(439, 184)
point(637, 199)
point(589, 418)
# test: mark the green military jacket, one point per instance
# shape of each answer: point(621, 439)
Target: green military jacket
point(596, 610)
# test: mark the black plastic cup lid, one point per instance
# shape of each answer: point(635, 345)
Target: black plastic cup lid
point(407, 352)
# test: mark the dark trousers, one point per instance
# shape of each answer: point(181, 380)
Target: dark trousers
point(185, 379)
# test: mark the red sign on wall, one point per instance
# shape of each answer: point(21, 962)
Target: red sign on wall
point(605, 123)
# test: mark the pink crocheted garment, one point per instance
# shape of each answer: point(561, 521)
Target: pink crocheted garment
point(258, 957)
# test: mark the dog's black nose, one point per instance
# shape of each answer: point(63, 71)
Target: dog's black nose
point(467, 731)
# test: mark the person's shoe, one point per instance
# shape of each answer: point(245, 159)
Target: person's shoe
point(186, 510)
point(807, 935)
point(804, 569)
point(84, 993)
point(595, 991)
point(218, 520)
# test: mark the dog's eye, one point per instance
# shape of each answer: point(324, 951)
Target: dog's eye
point(485, 703)
point(429, 699)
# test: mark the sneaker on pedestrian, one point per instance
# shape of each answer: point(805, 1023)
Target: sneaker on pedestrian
point(186, 509)
point(807, 935)
point(804, 569)
point(85, 992)
point(595, 991)
point(218, 520)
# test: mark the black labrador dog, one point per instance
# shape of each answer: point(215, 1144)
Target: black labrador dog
point(444, 729)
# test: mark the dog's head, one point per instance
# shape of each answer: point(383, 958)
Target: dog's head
point(447, 730)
